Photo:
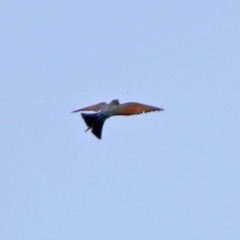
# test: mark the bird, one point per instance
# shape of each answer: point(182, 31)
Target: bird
point(104, 111)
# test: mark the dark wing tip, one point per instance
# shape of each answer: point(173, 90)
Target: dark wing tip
point(76, 111)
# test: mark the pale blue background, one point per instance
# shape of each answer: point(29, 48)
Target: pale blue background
point(170, 175)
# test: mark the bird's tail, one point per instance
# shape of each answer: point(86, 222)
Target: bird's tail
point(94, 122)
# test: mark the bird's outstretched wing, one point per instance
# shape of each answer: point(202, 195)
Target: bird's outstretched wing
point(131, 108)
point(95, 107)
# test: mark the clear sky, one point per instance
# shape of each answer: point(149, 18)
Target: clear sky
point(167, 175)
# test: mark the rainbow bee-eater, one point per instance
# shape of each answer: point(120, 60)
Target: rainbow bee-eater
point(104, 111)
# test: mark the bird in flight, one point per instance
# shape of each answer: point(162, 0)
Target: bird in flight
point(104, 111)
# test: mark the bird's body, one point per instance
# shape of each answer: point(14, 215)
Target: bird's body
point(104, 111)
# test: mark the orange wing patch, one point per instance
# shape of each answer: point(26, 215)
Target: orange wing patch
point(135, 108)
point(95, 107)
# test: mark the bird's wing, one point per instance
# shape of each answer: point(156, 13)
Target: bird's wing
point(134, 108)
point(95, 108)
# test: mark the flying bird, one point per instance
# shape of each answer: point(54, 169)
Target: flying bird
point(104, 111)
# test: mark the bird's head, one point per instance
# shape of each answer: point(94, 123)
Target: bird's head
point(115, 102)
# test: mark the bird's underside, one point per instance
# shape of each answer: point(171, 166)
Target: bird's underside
point(95, 121)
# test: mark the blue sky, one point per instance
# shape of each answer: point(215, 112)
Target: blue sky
point(168, 175)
